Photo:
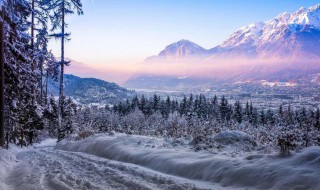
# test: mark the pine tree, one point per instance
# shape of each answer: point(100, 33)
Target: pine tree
point(317, 118)
point(190, 106)
point(252, 117)
point(155, 103)
point(280, 113)
point(61, 9)
point(270, 117)
point(32, 122)
point(135, 103)
point(183, 106)
point(203, 106)
point(69, 110)
point(214, 107)
point(238, 111)
point(223, 108)
point(167, 107)
point(247, 111)
point(50, 114)
point(143, 105)
point(262, 117)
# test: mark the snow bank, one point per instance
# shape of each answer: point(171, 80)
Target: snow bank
point(7, 159)
point(46, 143)
point(298, 171)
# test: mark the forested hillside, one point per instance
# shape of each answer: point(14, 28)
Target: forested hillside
point(91, 90)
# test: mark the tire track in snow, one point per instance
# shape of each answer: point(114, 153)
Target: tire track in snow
point(48, 168)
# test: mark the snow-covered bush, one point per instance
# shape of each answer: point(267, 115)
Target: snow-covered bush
point(286, 142)
point(84, 134)
point(134, 122)
point(176, 125)
point(232, 137)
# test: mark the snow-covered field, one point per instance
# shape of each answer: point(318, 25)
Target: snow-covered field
point(119, 161)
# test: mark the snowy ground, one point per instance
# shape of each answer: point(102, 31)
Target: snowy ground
point(119, 161)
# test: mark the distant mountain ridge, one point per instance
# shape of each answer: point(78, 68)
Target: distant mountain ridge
point(290, 36)
point(91, 90)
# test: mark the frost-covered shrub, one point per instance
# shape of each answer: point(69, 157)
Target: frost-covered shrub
point(232, 137)
point(199, 143)
point(84, 134)
point(133, 122)
point(155, 124)
point(287, 142)
point(176, 125)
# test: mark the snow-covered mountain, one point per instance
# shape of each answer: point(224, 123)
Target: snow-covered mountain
point(287, 36)
point(180, 50)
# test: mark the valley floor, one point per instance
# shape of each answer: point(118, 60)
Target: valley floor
point(119, 161)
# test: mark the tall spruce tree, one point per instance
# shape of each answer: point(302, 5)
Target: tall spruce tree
point(238, 111)
point(61, 9)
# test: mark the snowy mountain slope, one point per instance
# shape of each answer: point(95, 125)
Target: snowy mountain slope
point(287, 36)
point(180, 50)
point(91, 90)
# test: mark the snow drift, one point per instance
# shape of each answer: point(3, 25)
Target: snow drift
point(297, 171)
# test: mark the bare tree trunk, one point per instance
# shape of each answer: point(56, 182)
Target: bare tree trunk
point(60, 107)
point(2, 79)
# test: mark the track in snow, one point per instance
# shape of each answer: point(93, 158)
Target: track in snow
point(48, 168)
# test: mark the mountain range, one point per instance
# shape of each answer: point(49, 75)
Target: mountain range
point(285, 48)
point(287, 36)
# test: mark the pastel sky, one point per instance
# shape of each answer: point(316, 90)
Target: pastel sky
point(113, 32)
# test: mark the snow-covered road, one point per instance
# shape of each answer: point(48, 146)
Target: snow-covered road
point(48, 168)
point(119, 161)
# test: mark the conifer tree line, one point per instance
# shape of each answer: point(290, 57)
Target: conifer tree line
point(26, 63)
point(221, 111)
point(201, 118)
